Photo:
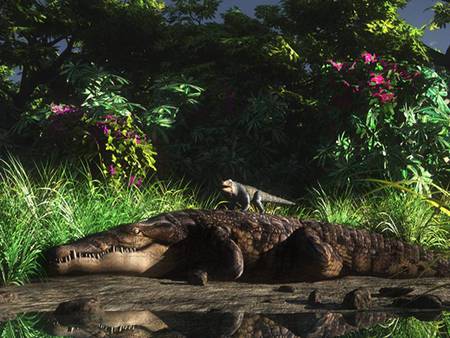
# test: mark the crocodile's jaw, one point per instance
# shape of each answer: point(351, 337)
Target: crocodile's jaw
point(155, 260)
point(145, 247)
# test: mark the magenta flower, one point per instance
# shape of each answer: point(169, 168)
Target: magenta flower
point(137, 139)
point(369, 58)
point(376, 79)
point(105, 129)
point(337, 65)
point(131, 180)
point(383, 96)
point(112, 170)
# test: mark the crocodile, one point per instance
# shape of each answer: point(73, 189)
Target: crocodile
point(243, 195)
point(245, 246)
point(88, 318)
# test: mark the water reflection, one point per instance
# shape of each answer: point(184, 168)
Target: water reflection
point(94, 322)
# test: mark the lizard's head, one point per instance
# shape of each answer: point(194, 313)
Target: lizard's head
point(229, 187)
point(142, 247)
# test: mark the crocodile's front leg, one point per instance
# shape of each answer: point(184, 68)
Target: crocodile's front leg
point(301, 257)
point(318, 259)
point(213, 251)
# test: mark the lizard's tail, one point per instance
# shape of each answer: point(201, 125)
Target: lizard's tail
point(279, 200)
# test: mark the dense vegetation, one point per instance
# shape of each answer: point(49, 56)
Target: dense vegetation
point(103, 102)
point(305, 91)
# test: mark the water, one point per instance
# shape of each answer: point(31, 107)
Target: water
point(93, 322)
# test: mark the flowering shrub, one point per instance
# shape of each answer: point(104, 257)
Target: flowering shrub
point(124, 149)
point(124, 153)
point(107, 127)
point(391, 120)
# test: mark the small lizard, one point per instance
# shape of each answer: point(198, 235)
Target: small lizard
point(245, 194)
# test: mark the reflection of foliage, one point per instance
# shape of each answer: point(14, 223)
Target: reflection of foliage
point(406, 328)
point(29, 326)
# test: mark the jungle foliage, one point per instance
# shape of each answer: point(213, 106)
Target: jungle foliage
point(139, 86)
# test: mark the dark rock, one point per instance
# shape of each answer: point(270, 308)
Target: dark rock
point(395, 292)
point(286, 288)
point(419, 302)
point(198, 277)
point(428, 316)
point(357, 299)
point(314, 298)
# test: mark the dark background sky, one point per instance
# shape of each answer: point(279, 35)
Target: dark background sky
point(414, 13)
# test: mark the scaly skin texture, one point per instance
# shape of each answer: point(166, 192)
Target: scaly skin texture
point(252, 247)
point(243, 195)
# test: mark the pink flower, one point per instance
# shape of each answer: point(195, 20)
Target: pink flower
point(337, 65)
point(137, 139)
point(105, 130)
point(376, 79)
point(383, 96)
point(112, 170)
point(133, 181)
point(61, 109)
point(387, 84)
point(368, 58)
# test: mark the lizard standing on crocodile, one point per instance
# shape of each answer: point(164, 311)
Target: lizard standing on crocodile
point(243, 195)
point(230, 245)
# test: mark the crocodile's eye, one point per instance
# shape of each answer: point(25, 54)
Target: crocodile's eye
point(137, 231)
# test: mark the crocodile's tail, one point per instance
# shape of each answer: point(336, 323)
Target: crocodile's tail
point(416, 261)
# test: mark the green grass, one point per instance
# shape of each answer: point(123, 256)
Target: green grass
point(52, 206)
point(393, 213)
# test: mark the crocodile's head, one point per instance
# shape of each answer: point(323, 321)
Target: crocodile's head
point(229, 187)
point(145, 247)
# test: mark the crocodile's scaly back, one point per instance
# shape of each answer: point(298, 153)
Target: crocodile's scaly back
point(255, 234)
